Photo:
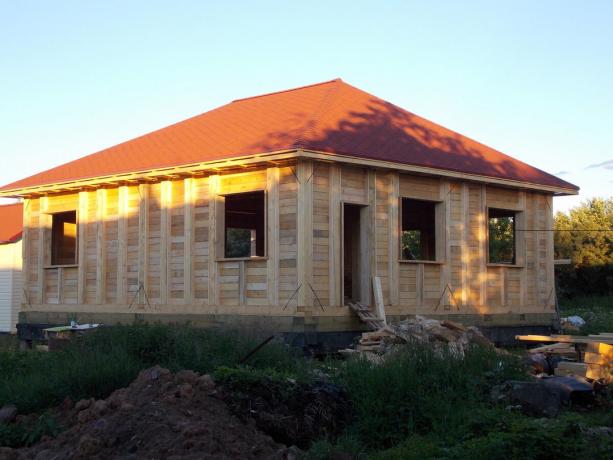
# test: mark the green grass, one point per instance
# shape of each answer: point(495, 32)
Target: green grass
point(110, 358)
point(418, 404)
point(597, 311)
point(424, 405)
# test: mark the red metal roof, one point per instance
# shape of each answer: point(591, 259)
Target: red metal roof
point(11, 222)
point(332, 117)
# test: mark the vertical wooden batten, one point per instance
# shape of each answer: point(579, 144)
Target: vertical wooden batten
point(334, 234)
point(483, 247)
point(464, 245)
point(43, 224)
point(394, 238)
point(165, 205)
point(122, 245)
point(272, 225)
point(549, 251)
point(371, 239)
point(305, 232)
point(215, 202)
point(521, 249)
point(100, 246)
point(189, 193)
point(445, 276)
point(143, 232)
point(82, 245)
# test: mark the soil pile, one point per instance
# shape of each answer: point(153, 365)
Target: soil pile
point(292, 413)
point(159, 416)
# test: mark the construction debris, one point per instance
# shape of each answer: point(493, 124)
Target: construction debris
point(584, 356)
point(454, 336)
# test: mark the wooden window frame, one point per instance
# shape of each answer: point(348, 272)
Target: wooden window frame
point(518, 243)
point(51, 251)
point(439, 231)
point(221, 226)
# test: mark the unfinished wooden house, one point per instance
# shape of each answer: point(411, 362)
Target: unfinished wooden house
point(274, 212)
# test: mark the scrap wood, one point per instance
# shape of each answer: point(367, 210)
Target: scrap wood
point(566, 338)
point(555, 348)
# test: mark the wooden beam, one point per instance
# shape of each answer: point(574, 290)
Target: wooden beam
point(394, 238)
point(483, 229)
point(143, 233)
point(370, 270)
point(521, 255)
point(215, 202)
point(335, 254)
point(550, 302)
point(122, 245)
point(165, 209)
point(82, 217)
point(43, 230)
point(100, 246)
point(464, 247)
point(304, 172)
point(189, 195)
point(272, 225)
point(445, 277)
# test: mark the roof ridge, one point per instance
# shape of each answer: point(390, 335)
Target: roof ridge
point(313, 120)
point(287, 90)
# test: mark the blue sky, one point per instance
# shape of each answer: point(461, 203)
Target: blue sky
point(532, 79)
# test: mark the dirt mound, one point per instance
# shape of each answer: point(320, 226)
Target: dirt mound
point(292, 413)
point(159, 416)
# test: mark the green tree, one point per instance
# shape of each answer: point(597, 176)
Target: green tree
point(585, 236)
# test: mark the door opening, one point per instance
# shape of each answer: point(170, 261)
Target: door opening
point(356, 287)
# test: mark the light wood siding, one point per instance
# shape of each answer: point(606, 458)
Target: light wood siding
point(158, 246)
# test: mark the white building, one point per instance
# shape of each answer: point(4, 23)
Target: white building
point(11, 227)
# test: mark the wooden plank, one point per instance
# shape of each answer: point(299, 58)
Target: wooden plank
point(370, 268)
point(242, 283)
point(335, 232)
point(394, 239)
point(596, 358)
point(43, 224)
point(100, 246)
point(215, 233)
point(82, 247)
point(272, 224)
point(143, 233)
point(165, 221)
point(565, 338)
point(122, 245)
point(568, 368)
point(304, 171)
point(464, 248)
point(189, 197)
point(483, 252)
point(445, 272)
point(378, 295)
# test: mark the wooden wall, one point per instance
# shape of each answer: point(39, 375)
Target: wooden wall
point(158, 246)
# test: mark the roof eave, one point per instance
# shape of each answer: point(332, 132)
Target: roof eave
point(271, 158)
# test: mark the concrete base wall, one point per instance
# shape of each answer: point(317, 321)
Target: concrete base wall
point(312, 331)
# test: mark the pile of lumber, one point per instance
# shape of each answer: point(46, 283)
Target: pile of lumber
point(448, 334)
point(584, 356)
point(366, 315)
